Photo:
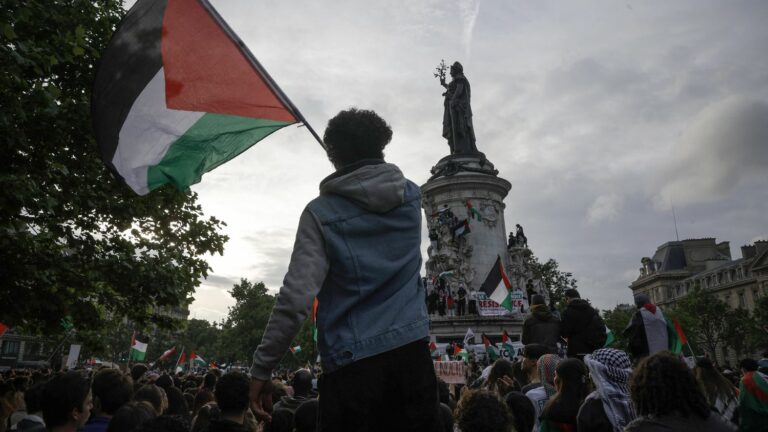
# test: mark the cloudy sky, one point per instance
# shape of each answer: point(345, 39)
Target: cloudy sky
point(602, 114)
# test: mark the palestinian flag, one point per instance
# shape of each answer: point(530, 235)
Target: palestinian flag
point(314, 320)
point(196, 360)
point(177, 94)
point(138, 349)
point(461, 228)
point(432, 348)
point(473, 213)
point(168, 353)
point(213, 365)
point(506, 343)
point(181, 363)
point(610, 338)
point(676, 337)
point(753, 394)
point(497, 285)
point(295, 350)
point(490, 349)
point(461, 353)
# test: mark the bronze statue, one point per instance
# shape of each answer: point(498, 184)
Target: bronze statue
point(457, 117)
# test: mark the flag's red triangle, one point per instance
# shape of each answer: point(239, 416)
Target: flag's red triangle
point(206, 71)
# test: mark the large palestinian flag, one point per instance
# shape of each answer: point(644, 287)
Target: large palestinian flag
point(497, 285)
point(177, 94)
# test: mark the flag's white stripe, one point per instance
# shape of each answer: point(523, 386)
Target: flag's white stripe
point(148, 132)
point(500, 293)
point(139, 346)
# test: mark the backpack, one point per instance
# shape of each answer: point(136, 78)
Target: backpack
point(595, 334)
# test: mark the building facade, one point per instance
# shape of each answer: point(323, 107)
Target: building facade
point(680, 267)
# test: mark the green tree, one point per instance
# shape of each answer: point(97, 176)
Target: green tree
point(73, 240)
point(202, 337)
point(246, 320)
point(555, 280)
point(741, 331)
point(701, 315)
point(617, 319)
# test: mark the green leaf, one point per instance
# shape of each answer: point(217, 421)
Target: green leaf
point(78, 51)
point(8, 31)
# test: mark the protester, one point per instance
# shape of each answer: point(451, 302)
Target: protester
point(154, 395)
point(232, 398)
point(302, 388)
point(522, 410)
point(559, 414)
point(482, 411)
point(609, 408)
point(461, 301)
point(130, 416)
point(501, 380)
point(529, 366)
point(305, 417)
point(33, 420)
point(722, 396)
point(581, 326)
point(67, 402)
point(372, 322)
point(647, 331)
point(137, 373)
point(539, 396)
point(541, 326)
point(668, 398)
point(753, 398)
point(177, 403)
point(111, 390)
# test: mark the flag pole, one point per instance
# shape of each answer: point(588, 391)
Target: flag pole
point(260, 69)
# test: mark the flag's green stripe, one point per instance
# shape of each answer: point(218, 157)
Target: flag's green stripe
point(211, 141)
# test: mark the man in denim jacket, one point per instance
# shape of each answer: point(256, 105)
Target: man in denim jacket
point(358, 251)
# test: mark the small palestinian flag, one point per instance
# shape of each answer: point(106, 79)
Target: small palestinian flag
point(295, 350)
point(196, 360)
point(753, 395)
point(610, 338)
point(168, 353)
point(138, 349)
point(506, 343)
point(490, 348)
point(462, 354)
point(181, 363)
point(432, 347)
point(497, 285)
point(177, 94)
point(473, 213)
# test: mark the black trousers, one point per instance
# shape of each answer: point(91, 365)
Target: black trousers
point(392, 391)
point(461, 308)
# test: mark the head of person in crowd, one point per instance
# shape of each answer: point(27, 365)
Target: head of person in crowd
point(572, 385)
point(209, 381)
point(67, 402)
point(501, 379)
point(33, 399)
point(522, 410)
point(538, 302)
point(201, 398)
point(715, 385)
point(177, 404)
point(232, 396)
point(130, 416)
point(571, 294)
point(531, 354)
point(154, 395)
point(164, 381)
point(302, 383)
point(207, 414)
point(611, 370)
point(547, 366)
point(748, 365)
point(138, 370)
point(355, 135)
point(111, 390)
point(663, 385)
point(482, 411)
point(305, 417)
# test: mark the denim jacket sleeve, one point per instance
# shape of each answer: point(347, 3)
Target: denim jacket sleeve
point(306, 273)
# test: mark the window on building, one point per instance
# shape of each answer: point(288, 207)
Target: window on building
point(742, 300)
point(10, 348)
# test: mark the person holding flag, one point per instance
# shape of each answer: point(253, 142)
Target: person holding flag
point(357, 250)
point(647, 332)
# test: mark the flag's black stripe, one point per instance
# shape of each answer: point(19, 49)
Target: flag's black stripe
point(493, 279)
point(127, 65)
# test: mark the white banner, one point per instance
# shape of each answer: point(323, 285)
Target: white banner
point(74, 354)
point(452, 372)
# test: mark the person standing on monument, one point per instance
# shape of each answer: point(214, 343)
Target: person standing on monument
point(373, 328)
point(457, 115)
point(461, 301)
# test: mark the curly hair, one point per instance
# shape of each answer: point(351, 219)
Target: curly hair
point(232, 393)
point(354, 134)
point(663, 384)
point(483, 411)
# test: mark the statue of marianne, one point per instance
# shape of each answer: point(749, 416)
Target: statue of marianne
point(457, 117)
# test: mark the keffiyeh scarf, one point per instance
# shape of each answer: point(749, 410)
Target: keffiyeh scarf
point(610, 370)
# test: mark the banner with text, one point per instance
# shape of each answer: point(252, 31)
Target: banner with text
point(452, 372)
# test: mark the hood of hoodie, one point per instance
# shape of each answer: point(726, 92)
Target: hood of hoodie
point(541, 312)
point(377, 187)
point(579, 304)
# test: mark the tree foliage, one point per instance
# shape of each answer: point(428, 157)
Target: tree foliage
point(246, 321)
point(73, 240)
point(555, 280)
point(701, 314)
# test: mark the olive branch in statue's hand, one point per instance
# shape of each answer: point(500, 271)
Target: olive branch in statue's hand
point(441, 68)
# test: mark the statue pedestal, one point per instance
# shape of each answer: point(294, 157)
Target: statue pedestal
point(465, 187)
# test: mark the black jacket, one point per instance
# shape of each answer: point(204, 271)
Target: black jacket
point(592, 417)
point(575, 325)
point(542, 327)
point(635, 334)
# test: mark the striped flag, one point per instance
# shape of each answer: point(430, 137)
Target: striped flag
point(168, 353)
point(138, 349)
point(296, 349)
point(497, 285)
point(177, 94)
point(610, 338)
point(506, 343)
point(490, 349)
